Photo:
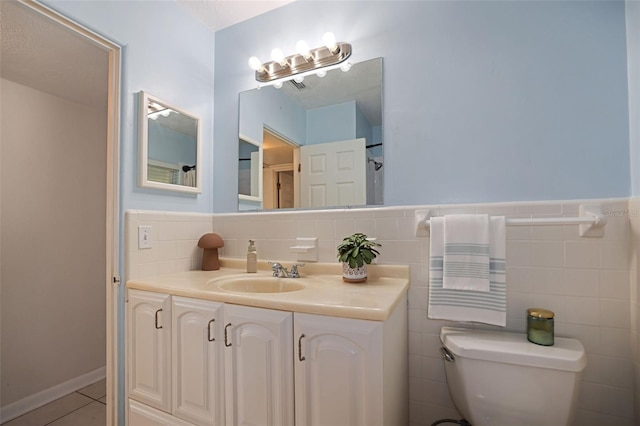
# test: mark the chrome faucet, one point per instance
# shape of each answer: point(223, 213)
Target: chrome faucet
point(282, 272)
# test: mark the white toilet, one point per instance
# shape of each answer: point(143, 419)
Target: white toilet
point(500, 379)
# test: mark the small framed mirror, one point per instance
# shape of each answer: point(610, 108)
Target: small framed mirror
point(249, 169)
point(169, 147)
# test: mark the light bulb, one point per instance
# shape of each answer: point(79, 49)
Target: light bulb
point(298, 79)
point(277, 85)
point(321, 74)
point(256, 64)
point(346, 66)
point(329, 40)
point(278, 56)
point(303, 49)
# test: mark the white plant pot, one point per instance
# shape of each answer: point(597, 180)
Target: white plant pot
point(354, 275)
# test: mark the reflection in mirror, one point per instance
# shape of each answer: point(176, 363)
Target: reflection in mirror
point(249, 169)
point(321, 139)
point(169, 147)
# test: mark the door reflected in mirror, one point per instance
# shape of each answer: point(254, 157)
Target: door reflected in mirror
point(321, 139)
point(169, 147)
point(249, 170)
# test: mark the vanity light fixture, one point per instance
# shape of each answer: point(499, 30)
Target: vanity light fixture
point(303, 49)
point(303, 63)
point(277, 55)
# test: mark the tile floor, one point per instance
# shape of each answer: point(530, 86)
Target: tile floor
point(86, 407)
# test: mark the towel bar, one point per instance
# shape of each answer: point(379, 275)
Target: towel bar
point(591, 220)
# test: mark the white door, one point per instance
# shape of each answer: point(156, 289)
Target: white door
point(338, 371)
point(149, 348)
point(197, 361)
point(259, 368)
point(333, 174)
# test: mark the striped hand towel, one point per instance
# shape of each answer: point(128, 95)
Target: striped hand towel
point(469, 305)
point(466, 252)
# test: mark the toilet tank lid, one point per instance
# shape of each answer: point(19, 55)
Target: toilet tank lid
point(514, 348)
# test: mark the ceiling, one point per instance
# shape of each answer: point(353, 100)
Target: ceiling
point(41, 54)
point(219, 14)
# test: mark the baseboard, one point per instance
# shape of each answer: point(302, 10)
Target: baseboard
point(41, 398)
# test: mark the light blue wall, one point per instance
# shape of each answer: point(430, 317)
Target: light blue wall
point(484, 100)
point(269, 106)
point(633, 50)
point(168, 54)
point(331, 123)
point(363, 128)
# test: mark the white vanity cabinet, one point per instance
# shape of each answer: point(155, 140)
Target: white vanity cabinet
point(149, 348)
point(173, 362)
point(198, 362)
point(259, 366)
point(351, 372)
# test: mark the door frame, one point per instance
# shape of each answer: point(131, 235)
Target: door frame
point(112, 275)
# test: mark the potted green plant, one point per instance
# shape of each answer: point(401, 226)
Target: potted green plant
point(356, 252)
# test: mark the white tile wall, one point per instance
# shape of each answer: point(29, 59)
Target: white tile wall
point(634, 297)
point(586, 281)
point(175, 239)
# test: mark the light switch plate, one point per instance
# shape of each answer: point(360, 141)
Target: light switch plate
point(145, 238)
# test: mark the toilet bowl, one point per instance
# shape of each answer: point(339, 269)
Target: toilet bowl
point(500, 379)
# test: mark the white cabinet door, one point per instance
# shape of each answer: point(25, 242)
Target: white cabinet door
point(149, 348)
point(259, 368)
point(338, 371)
point(197, 361)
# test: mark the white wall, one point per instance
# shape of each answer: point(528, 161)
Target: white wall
point(53, 180)
point(634, 214)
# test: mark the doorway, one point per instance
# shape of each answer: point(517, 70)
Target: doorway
point(280, 180)
point(58, 221)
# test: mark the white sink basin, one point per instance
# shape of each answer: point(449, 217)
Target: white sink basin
point(257, 284)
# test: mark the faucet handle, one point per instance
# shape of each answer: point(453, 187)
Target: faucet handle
point(294, 270)
point(278, 269)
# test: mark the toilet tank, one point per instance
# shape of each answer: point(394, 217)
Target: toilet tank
point(501, 379)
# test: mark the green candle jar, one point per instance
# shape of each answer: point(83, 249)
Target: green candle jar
point(540, 326)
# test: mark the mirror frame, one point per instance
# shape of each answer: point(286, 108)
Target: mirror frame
point(244, 197)
point(143, 147)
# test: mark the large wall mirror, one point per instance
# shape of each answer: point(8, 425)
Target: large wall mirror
point(169, 147)
point(321, 140)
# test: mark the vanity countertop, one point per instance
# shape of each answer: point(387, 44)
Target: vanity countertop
point(325, 293)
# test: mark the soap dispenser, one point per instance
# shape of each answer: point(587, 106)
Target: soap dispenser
point(252, 258)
